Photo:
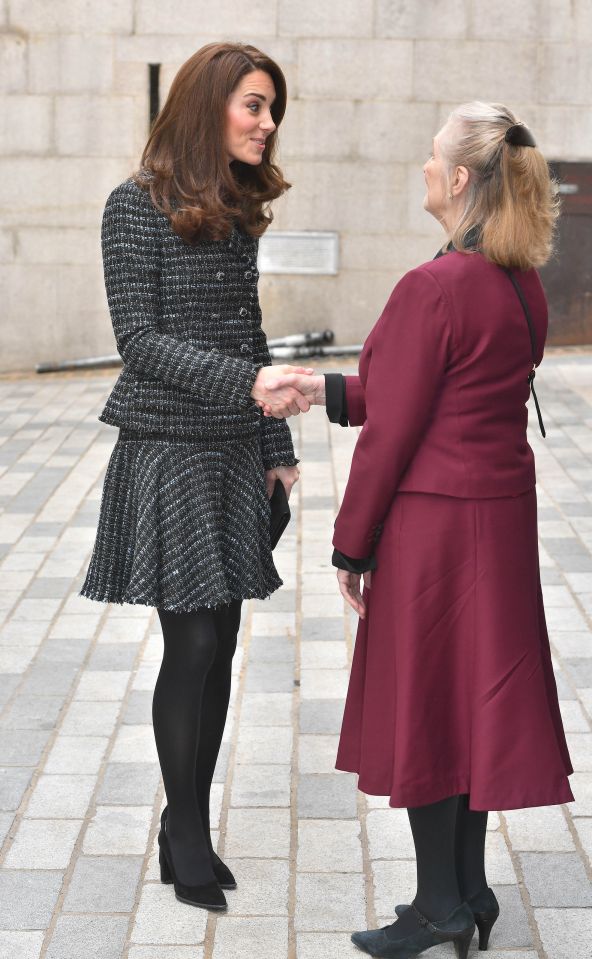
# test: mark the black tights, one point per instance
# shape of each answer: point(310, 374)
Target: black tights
point(450, 850)
point(471, 829)
point(189, 712)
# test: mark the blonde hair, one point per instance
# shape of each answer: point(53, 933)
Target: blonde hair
point(511, 199)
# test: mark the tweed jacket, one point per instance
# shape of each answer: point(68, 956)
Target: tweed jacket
point(187, 323)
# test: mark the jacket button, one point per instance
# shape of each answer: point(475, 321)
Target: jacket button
point(245, 348)
point(248, 275)
point(219, 275)
point(242, 311)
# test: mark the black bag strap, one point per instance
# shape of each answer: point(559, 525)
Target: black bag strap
point(533, 345)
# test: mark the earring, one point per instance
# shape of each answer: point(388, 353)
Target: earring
point(450, 196)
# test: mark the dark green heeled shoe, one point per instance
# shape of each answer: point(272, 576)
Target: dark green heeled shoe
point(485, 909)
point(458, 928)
point(221, 871)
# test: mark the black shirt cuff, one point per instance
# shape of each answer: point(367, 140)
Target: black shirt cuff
point(341, 561)
point(336, 398)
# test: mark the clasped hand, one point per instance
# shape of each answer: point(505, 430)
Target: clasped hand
point(282, 391)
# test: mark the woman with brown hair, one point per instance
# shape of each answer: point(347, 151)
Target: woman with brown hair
point(185, 518)
point(452, 706)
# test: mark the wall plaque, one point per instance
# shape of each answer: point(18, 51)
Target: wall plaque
point(298, 252)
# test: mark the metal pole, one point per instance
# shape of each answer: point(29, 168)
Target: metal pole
point(302, 352)
point(92, 363)
point(295, 346)
point(303, 339)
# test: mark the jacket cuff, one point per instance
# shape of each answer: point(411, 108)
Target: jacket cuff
point(341, 561)
point(232, 380)
point(361, 546)
point(355, 400)
point(277, 448)
point(336, 399)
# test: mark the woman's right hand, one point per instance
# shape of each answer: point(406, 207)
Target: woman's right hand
point(310, 387)
point(277, 398)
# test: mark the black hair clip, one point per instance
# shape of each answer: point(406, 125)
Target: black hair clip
point(519, 136)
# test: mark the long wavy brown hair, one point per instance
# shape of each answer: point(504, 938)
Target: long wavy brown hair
point(185, 163)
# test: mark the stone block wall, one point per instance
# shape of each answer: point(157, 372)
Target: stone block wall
point(370, 82)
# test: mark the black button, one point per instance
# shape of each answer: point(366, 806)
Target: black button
point(242, 311)
point(245, 348)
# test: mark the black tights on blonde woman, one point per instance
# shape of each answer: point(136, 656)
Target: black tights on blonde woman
point(449, 841)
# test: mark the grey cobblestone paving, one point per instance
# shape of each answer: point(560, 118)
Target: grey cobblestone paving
point(80, 792)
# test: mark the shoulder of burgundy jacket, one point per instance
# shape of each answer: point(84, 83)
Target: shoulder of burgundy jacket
point(442, 392)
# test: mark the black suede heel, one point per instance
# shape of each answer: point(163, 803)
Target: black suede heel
point(485, 909)
point(458, 928)
point(165, 873)
point(221, 871)
point(484, 925)
point(205, 896)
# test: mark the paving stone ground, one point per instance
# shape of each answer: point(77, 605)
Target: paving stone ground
point(80, 792)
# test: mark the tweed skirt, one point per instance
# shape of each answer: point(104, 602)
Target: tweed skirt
point(183, 524)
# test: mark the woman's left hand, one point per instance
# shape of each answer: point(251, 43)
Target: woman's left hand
point(287, 474)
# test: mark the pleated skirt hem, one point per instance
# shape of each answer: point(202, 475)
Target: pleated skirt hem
point(187, 606)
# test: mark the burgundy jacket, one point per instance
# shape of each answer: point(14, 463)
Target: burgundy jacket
point(442, 393)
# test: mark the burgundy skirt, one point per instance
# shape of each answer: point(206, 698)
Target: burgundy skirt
point(452, 688)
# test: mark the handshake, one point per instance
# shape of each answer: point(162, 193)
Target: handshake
point(282, 391)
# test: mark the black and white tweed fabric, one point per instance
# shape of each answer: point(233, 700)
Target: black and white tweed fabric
point(184, 519)
point(187, 323)
point(183, 525)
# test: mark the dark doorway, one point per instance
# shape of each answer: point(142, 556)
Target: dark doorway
point(567, 277)
point(153, 92)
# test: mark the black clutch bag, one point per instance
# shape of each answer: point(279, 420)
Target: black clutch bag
point(280, 513)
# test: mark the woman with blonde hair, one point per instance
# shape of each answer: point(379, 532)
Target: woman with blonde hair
point(185, 517)
point(452, 706)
